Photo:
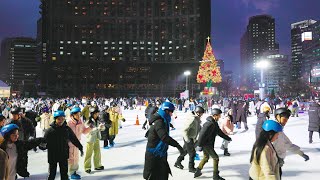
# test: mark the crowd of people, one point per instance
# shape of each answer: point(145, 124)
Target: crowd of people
point(63, 121)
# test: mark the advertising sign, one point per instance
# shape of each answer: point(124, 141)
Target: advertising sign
point(306, 36)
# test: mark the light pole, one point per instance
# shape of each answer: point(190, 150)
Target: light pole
point(187, 73)
point(262, 64)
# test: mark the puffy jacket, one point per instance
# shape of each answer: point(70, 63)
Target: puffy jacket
point(261, 118)
point(4, 168)
point(268, 167)
point(94, 133)
point(314, 117)
point(208, 133)
point(56, 139)
point(227, 125)
point(26, 128)
point(45, 121)
point(283, 144)
point(191, 127)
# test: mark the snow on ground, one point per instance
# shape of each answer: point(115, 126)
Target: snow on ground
point(126, 160)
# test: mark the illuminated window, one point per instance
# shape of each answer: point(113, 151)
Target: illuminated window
point(76, 42)
point(120, 53)
point(163, 47)
point(113, 58)
point(127, 42)
point(156, 43)
point(149, 42)
point(61, 52)
point(61, 42)
point(98, 42)
point(170, 42)
point(54, 58)
point(61, 47)
point(105, 53)
point(120, 42)
point(69, 42)
point(84, 42)
point(105, 48)
point(91, 42)
point(84, 53)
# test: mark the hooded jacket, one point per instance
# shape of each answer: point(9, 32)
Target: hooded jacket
point(314, 117)
point(191, 127)
point(56, 139)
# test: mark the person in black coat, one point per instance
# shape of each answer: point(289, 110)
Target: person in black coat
point(18, 148)
point(156, 166)
point(104, 118)
point(56, 140)
point(314, 120)
point(206, 141)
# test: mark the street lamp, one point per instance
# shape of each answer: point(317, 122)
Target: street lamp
point(262, 64)
point(187, 73)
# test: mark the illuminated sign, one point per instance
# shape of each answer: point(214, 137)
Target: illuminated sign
point(306, 36)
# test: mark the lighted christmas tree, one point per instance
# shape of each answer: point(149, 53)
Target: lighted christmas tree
point(209, 71)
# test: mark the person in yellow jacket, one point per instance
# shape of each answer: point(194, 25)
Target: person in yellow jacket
point(115, 117)
point(93, 141)
point(264, 159)
point(85, 113)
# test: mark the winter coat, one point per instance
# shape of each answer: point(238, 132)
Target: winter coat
point(78, 129)
point(191, 127)
point(261, 118)
point(22, 150)
point(226, 125)
point(45, 121)
point(283, 144)
point(32, 116)
point(158, 131)
point(105, 118)
point(268, 167)
point(85, 112)
point(314, 117)
point(242, 109)
point(4, 168)
point(94, 133)
point(209, 132)
point(26, 128)
point(56, 139)
point(114, 117)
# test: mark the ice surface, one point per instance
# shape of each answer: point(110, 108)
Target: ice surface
point(126, 160)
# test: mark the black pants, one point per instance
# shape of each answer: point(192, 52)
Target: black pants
point(63, 170)
point(311, 134)
point(111, 139)
point(189, 148)
point(106, 137)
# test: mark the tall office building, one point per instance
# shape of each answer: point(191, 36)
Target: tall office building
point(121, 47)
point(297, 29)
point(258, 40)
point(19, 65)
point(311, 55)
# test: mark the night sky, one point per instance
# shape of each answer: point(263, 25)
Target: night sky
point(229, 21)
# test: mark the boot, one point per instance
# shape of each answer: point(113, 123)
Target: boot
point(191, 167)
point(197, 173)
point(178, 165)
point(226, 153)
point(216, 176)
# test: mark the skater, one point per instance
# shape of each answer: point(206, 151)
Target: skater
point(156, 166)
point(242, 114)
point(264, 160)
point(227, 129)
point(56, 141)
point(314, 119)
point(76, 124)
point(105, 119)
point(115, 117)
point(265, 115)
point(206, 141)
point(16, 149)
point(190, 132)
point(93, 141)
point(283, 143)
point(147, 114)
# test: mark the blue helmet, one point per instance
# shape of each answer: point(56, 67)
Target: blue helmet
point(58, 114)
point(271, 125)
point(75, 110)
point(69, 105)
point(7, 128)
point(167, 106)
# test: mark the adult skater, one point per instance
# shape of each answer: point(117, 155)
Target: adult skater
point(156, 166)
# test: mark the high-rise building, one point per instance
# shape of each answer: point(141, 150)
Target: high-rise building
point(258, 40)
point(121, 47)
point(297, 29)
point(310, 70)
point(278, 72)
point(19, 64)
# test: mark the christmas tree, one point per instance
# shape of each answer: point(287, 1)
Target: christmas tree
point(209, 71)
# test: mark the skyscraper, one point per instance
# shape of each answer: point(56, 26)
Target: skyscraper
point(297, 29)
point(19, 65)
point(257, 41)
point(121, 47)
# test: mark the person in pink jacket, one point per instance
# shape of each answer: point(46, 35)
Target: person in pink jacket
point(76, 124)
point(227, 128)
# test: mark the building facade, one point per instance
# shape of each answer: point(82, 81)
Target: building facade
point(258, 40)
point(311, 57)
point(19, 65)
point(278, 72)
point(121, 47)
point(297, 29)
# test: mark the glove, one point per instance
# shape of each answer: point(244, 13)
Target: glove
point(281, 162)
point(124, 120)
point(81, 152)
point(229, 139)
point(306, 157)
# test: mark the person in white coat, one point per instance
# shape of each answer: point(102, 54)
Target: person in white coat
point(283, 143)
